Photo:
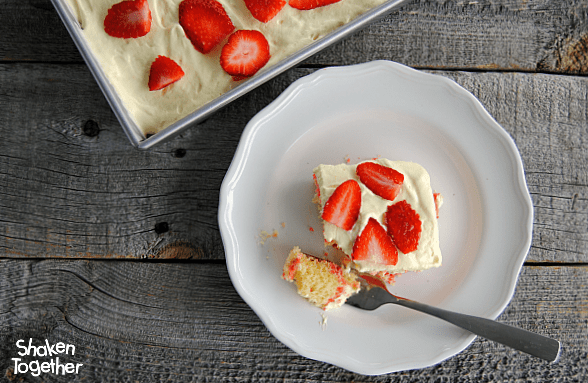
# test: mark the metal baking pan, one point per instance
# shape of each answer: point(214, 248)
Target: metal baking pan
point(135, 134)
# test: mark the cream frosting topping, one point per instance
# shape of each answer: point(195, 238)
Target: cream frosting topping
point(416, 190)
point(126, 62)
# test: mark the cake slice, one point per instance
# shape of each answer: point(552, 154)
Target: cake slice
point(321, 282)
point(395, 197)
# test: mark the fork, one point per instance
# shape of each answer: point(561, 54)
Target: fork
point(375, 294)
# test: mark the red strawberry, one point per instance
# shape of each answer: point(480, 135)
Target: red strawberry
point(205, 23)
point(245, 53)
point(404, 226)
point(342, 207)
point(264, 10)
point(374, 245)
point(128, 19)
point(381, 180)
point(164, 71)
point(310, 4)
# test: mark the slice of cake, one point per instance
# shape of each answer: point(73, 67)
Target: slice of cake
point(321, 282)
point(381, 213)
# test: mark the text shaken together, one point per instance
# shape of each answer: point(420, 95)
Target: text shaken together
point(54, 366)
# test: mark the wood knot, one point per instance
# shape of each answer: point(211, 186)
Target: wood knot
point(574, 56)
point(161, 227)
point(91, 128)
point(179, 153)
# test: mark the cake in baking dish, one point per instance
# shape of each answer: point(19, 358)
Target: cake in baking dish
point(209, 46)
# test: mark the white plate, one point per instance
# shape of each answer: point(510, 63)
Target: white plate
point(360, 112)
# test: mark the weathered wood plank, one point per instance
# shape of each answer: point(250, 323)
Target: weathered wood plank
point(517, 35)
point(140, 321)
point(70, 188)
point(546, 35)
point(71, 184)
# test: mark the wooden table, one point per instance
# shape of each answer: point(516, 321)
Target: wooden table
point(117, 251)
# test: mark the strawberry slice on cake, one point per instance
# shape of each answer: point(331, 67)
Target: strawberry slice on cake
point(342, 207)
point(264, 10)
point(404, 226)
point(205, 22)
point(128, 19)
point(164, 71)
point(305, 5)
point(374, 245)
point(381, 180)
point(246, 52)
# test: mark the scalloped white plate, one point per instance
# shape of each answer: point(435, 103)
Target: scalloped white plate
point(354, 113)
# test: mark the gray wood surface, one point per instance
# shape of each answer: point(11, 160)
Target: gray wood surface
point(188, 324)
point(121, 194)
point(117, 250)
point(520, 35)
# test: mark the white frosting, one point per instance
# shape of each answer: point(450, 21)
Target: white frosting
point(416, 190)
point(126, 62)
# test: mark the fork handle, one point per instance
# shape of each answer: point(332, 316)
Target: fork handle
point(517, 338)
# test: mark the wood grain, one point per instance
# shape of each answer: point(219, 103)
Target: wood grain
point(149, 322)
point(545, 36)
point(162, 307)
point(69, 193)
point(66, 193)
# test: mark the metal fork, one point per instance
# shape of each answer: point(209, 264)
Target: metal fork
point(375, 294)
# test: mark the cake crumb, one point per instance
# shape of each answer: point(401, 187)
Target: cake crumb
point(311, 228)
point(323, 321)
point(283, 224)
point(264, 235)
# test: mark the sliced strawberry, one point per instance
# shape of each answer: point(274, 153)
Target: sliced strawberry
point(164, 71)
point(342, 207)
point(205, 23)
point(264, 10)
point(310, 4)
point(374, 245)
point(404, 226)
point(245, 53)
point(128, 19)
point(381, 180)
